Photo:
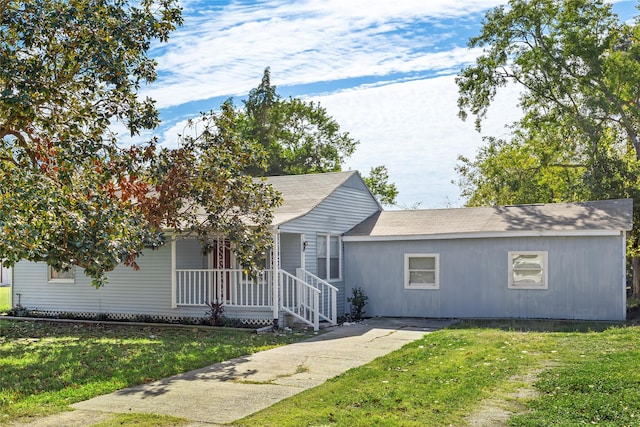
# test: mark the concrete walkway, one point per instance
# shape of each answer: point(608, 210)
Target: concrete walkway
point(228, 391)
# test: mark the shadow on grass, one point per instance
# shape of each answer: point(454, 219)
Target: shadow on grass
point(50, 365)
point(221, 371)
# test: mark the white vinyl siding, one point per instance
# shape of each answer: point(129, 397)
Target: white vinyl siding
point(528, 270)
point(421, 271)
point(290, 252)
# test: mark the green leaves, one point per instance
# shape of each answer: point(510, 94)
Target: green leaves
point(68, 191)
point(218, 198)
point(578, 68)
point(298, 136)
point(580, 78)
point(378, 183)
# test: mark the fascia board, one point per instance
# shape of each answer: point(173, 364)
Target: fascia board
point(482, 235)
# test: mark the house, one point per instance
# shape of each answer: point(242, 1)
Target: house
point(556, 261)
point(5, 275)
point(330, 235)
point(303, 276)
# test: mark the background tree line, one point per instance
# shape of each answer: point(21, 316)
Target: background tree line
point(578, 67)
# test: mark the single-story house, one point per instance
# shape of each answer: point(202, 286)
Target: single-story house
point(555, 261)
point(303, 276)
point(564, 261)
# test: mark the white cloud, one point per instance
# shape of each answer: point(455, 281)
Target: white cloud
point(170, 136)
point(223, 50)
point(413, 129)
point(403, 119)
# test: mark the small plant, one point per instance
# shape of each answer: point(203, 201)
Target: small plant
point(19, 311)
point(216, 313)
point(234, 323)
point(143, 318)
point(344, 318)
point(358, 300)
point(101, 317)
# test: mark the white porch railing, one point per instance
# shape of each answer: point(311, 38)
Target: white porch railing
point(305, 296)
point(328, 301)
point(232, 287)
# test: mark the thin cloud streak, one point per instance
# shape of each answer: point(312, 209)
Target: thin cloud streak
point(220, 51)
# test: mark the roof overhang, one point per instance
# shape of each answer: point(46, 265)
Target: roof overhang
point(485, 235)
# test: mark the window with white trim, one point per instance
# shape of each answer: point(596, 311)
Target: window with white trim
point(528, 270)
point(61, 276)
point(421, 271)
point(329, 256)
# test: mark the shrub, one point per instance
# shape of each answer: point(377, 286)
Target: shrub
point(216, 313)
point(358, 300)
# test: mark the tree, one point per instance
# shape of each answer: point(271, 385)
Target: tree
point(378, 183)
point(521, 170)
point(578, 68)
point(70, 194)
point(300, 137)
point(217, 197)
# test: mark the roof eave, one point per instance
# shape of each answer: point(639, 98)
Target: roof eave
point(484, 235)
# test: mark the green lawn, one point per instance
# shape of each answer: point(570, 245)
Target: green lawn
point(584, 377)
point(45, 367)
point(5, 298)
point(588, 378)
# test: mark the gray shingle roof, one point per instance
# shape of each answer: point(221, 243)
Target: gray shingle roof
point(608, 215)
point(302, 193)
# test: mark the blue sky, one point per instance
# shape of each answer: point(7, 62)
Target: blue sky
point(383, 69)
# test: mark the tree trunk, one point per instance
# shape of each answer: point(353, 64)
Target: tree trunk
point(635, 287)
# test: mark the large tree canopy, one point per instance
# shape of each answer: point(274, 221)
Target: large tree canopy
point(578, 68)
point(300, 137)
point(577, 64)
point(217, 196)
point(70, 194)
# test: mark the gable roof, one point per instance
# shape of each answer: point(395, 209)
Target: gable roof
point(302, 193)
point(598, 217)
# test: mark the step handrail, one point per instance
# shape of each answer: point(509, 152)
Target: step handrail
point(300, 299)
point(328, 295)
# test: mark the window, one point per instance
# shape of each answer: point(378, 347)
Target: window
point(421, 271)
point(328, 249)
point(62, 276)
point(528, 270)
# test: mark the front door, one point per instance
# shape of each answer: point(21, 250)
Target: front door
point(220, 260)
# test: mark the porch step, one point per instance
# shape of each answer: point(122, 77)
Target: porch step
point(293, 322)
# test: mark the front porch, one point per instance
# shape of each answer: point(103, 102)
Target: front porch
point(271, 293)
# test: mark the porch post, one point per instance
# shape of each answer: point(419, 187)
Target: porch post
point(303, 249)
point(624, 275)
point(173, 272)
point(275, 266)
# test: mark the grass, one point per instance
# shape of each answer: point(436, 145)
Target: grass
point(590, 377)
point(142, 420)
point(588, 373)
point(5, 298)
point(47, 366)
